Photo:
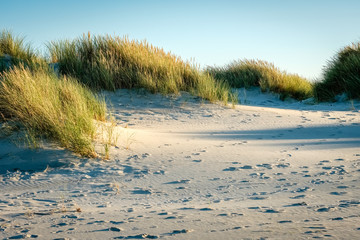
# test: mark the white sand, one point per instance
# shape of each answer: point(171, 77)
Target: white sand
point(267, 169)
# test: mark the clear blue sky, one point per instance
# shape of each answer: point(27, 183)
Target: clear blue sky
point(297, 36)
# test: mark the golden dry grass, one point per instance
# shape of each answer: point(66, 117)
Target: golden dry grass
point(105, 62)
point(46, 106)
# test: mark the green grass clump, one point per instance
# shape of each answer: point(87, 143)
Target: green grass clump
point(342, 75)
point(105, 62)
point(14, 52)
point(247, 73)
point(62, 110)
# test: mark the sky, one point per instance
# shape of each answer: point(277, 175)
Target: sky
point(297, 36)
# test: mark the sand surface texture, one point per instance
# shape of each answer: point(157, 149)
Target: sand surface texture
point(185, 169)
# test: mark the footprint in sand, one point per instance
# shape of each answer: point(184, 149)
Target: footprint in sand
point(114, 229)
point(231, 169)
point(318, 181)
point(180, 231)
point(296, 204)
point(214, 179)
point(273, 211)
point(197, 160)
point(303, 189)
point(246, 167)
point(141, 191)
point(265, 165)
point(164, 213)
point(339, 159)
point(285, 221)
point(259, 175)
point(117, 222)
point(159, 172)
point(338, 193)
point(258, 198)
point(184, 181)
point(283, 165)
point(325, 209)
point(206, 209)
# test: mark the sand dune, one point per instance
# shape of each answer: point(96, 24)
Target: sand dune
point(186, 169)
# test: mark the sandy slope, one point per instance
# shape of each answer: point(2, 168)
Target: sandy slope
point(267, 169)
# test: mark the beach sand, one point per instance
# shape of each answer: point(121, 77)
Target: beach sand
point(187, 169)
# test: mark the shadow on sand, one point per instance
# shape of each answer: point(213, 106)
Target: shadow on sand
point(327, 136)
point(13, 157)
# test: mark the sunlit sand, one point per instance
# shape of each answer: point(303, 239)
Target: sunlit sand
point(186, 169)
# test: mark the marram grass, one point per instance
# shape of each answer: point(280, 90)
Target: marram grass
point(341, 75)
point(247, 73)
point(62, 110)
point(14, 52)
point(105, 62)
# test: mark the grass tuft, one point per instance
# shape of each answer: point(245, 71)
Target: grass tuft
point(247, 73)
point(46, 106)
point(14, 52)
point(105, 62)
point(341, 75)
